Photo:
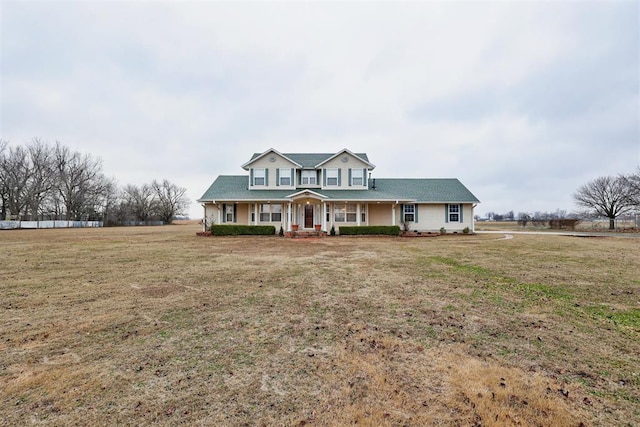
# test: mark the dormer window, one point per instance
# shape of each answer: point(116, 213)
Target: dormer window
point(308, 177)
point(332, 176)
point(259, 175)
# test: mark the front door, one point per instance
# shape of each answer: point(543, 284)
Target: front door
point(308, 216)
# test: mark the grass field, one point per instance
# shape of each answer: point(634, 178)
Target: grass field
point(584, 226)
point(155, 326)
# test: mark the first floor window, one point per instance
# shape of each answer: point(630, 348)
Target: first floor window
point(259, 176)
point(332, 176)
point(345, 213)
point(228, 213)
point(454, 213)
point(270, 213)
point(409, 213)
point(276, 213)
point(352, 213)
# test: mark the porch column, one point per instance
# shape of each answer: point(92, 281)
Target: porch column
point(256, 214)
point(393, 214)
point(324, 216)
point(219, 214)
point(289, 216)
point(358, 214)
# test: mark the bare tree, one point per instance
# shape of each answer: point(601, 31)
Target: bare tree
point(80, 184)
point(139, 201)
point(15, 170)
point(171, 200)
point(633, 183)
point(42, 176)
point(3, 187)
point(607, 196)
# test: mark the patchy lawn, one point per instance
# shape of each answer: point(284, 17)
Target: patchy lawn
point(153, 325)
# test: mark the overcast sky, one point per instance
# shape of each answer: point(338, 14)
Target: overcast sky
point(522, 101)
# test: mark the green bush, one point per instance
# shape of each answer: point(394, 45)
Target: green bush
point(370, 230)
point(443, 230)
point(466, 230)
point(242, 230)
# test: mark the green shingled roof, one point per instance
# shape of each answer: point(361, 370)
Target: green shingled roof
point(235, 188)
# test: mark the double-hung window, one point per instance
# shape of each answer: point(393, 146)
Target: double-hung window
point(259, 176)
point(352, 213)
point(454, 213)
point(276, 213)
point(228, 213)
point(409, 213)
point(308, 177)
point(285, 176)
point(270, 213)
point(332, 176)
point(345, 213)
point(357, 177)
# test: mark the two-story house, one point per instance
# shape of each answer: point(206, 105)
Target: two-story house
point(325, 190)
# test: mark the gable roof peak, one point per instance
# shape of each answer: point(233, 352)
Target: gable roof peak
point(257, 156)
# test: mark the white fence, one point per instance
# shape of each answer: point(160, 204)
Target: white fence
point(14, 225)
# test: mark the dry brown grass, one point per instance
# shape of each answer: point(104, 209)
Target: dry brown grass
point(155, 326)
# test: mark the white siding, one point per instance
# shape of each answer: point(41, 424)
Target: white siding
point(272, 167)
point(337, 163)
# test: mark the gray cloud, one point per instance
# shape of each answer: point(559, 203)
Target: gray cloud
point(523, 102)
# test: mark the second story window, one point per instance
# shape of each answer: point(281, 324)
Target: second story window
point(332, 176)
point(259, 176)
point(309, 178)
point(285, 176)
point(357, 176)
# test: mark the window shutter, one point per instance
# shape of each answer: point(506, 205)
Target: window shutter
point(401, 213)
point(349, 177)
point(251, 177)
point(224, 212)
point(235, 212)
point(415, 213)
point(293, 177)
point(460, 209)
point(365, 182)
point(277, 177)
point(266, 177)
point(446, 212)
point(339, 177)
point(324, 177)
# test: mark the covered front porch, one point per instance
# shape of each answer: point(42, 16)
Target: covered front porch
point(303, 211)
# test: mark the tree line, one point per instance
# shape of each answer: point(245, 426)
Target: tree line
point(604, 197)
point(43, 181)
